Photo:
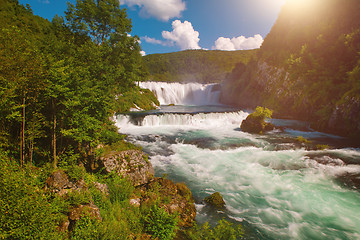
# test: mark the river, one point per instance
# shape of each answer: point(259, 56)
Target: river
point(274, 186)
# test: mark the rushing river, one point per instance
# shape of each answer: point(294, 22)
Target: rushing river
point(271, 184)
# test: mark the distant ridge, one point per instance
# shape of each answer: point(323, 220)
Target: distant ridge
point(202, 66)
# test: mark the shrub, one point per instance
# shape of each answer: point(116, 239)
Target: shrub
point(224, 230)
point(120, 189)
point(85, 228)
point(159, 223)
point(25, 210)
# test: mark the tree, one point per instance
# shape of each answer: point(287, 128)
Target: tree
point(102, 20)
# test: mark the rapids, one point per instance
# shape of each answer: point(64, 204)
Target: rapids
point(272, 185)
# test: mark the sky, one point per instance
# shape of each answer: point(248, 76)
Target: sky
point(173, 25)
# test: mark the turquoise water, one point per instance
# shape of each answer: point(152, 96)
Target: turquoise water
point(273, 186)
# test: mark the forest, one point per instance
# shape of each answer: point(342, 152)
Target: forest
point(195, 65)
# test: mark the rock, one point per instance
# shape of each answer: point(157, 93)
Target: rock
point(215, 200)
point(132, 164)
point(89, 209)
point(135, 202)
point(103, 188)
point(269, 127)
point(59, 182)
point(252, 125)
point(174, 198)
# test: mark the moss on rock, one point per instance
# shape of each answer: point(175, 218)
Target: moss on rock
point(215, 200)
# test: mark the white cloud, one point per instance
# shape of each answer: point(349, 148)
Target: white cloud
point(143, 53)
point(153, 41)
point(238, 43)
point(160, 9)
point(183, 35)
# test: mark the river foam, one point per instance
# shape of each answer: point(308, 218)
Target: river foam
point(284, 192)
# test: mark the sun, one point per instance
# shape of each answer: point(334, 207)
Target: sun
point(302, 4)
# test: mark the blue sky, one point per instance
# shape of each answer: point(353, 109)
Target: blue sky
point(174, 25)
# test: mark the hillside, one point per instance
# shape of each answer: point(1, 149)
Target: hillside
point(308, 67)
point(195, 65)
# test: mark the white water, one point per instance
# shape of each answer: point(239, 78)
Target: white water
point(184, 94)
point(288, 193)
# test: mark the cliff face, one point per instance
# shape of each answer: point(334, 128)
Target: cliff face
point(308, 67)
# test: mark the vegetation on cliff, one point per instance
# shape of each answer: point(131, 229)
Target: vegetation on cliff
point(195, 65)
point(308, 66)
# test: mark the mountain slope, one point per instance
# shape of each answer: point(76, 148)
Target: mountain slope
point(195, 65)
point(308, 66)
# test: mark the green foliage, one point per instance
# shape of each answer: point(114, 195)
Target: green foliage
point(118, 146)
point(303, 140)
point(58, 80)
point(195, 65)
point(120, 189)
point(136, 97)
point(262, 113)
point(25, 211)
point(321, 146)
point(159, 223)
point(85, 228)
point(224, 230)
point(215, 200)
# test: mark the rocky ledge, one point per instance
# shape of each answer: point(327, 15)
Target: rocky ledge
point(131, 164)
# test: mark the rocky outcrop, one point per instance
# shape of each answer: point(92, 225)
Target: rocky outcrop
point(59, 183)
point(345, 117)
point(132, 164)
point(215, 200)
point(174, 199)
point(256, 125)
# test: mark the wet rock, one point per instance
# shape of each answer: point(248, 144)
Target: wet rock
point(215, 200)
point(132, 164)
point(256, 125)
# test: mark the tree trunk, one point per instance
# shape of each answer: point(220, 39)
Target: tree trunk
point(22, 141)
point(54, 135)
point(31, 149)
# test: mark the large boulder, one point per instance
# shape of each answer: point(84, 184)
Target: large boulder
point(255, 122)
point(131, 164)
point(215, 200)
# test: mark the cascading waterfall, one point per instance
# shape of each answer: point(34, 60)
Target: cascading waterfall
point(184, 94)
point(272, 185)
point(199, 119)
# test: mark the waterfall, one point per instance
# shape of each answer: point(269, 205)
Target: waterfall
point(184, 93)
point(172, 119)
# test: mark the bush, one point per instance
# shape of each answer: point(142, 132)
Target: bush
point(159, 223)
point(25, 210)
point(120, 189)
point(85, 228)
point(224, 230)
